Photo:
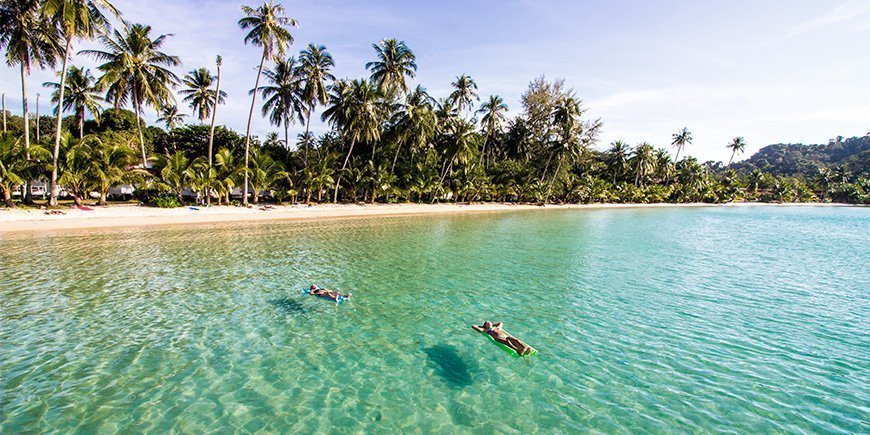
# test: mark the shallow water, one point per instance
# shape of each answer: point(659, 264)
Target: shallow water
point(747, 319)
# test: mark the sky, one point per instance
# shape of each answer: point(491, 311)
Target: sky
point(777, 71)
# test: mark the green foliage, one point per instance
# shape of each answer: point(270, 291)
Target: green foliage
point(166, 201)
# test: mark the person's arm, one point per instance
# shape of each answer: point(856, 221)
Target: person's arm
point(477, 328)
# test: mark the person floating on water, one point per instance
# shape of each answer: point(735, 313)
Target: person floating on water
point(496, 331)
point(327, 293)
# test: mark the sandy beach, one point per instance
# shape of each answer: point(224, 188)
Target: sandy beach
point(24, 220)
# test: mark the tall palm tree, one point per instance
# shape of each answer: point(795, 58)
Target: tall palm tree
point(357, 110)
point(416, 122)
point(494, 117)
point(566, 118)
point(644, 163)
point(395, 63)
point(80, 94)
point(135, 69)
point(282, 96)
point(30, 40)
point(74, 19)
point(199, 94)
point(737, 145)
point(680, 140)
point(265, 172)
point(171, 117)
point(267, 28)
point(464, 93)
point(217, 92)
point(315, 66)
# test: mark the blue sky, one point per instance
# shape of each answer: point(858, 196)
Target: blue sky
point(772, 71)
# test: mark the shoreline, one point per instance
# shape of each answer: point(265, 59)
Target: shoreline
point(121, 216)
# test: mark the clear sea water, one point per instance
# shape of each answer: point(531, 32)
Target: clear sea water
point(721, 319)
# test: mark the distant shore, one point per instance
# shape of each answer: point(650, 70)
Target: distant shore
point(32, 220)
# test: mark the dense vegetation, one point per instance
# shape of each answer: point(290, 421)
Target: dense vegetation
point(390, 140)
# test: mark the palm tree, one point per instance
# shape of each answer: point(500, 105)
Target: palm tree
point(566, 118)
point(268, 29)
point(80, 94)
point(199, 93)
point(465, 91)
point(356, 110)
point(264, 172)
point(395, 63)
point(74, 19)
point(171, 117)
point(644, 163)
point(175, 171)
point(680, 140)
point(18, 164)
point(416, 122)
point(315, 65)
point(136, 70)
point(494, 117)
point(283, 101)
point(228, 173)
point(736, 146)
point(76, 174)
point(110, 165)
point(617, 159)
point(217, 92)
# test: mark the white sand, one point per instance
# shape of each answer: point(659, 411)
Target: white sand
point(16, 220)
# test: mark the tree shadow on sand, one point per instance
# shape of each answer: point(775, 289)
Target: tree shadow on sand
point(288, 306)
point(450, 365)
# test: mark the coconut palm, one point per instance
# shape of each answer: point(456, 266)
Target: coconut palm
point(416, 122)
point(264, 172)
point(135, 69)
point(315, 66)
point(356, 109)
point(737, 145)
point(267, 28)
point(566, 118)
point(217, 92)
point(84, 19)
point(644, 163)
point(199, 94)
point(171, 117)
point(80, 94)
point(464, 93)
point(396, 63)
point(494, 112)
point(617, 159)
point(76, 174)
point(110, 165)
point(18, 164)
point(282, 96)
point(462, 145)
point(680, 140)
point(228, 172)
point(175, 171)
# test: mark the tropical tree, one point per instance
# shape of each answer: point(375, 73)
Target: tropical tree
point(679, 140)
point(76, 174)
point(199, 94)
point(264, 172)
point(170, 116)
point(737, 145)
point(175, 171)
point(80, 95)
point(18, 164)
point(283, 101)
point(228, 172)
point(415, 123)
point(396, 63)
point(315, 66)
point(135, 69)
point(217, 92)
point(464, 92)
point(492, 122)
point(644, 163)
point(617, 159)
point(267, 28)
point(111, 164)
point(356, 109)
point(73, 19)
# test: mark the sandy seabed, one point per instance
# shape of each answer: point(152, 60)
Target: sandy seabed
point(114, 216)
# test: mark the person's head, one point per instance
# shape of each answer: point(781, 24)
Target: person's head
point(313, 287)
point(487, 325)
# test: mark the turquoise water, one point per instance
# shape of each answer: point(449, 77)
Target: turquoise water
point(746, 319)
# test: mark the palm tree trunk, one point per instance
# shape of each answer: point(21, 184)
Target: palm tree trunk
point(81, 125)
point(217, 98)
point(4, 112)
point(553, 180)
point(343, 166)
point(102, 200)
point(37, 119)
point(55, 189)
point(137, 107)
point(7, 198)
point(287, 133)
point(732, 157)
point(26, 197)
point(396, 157)
point(248, 132)
point(307, 132)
